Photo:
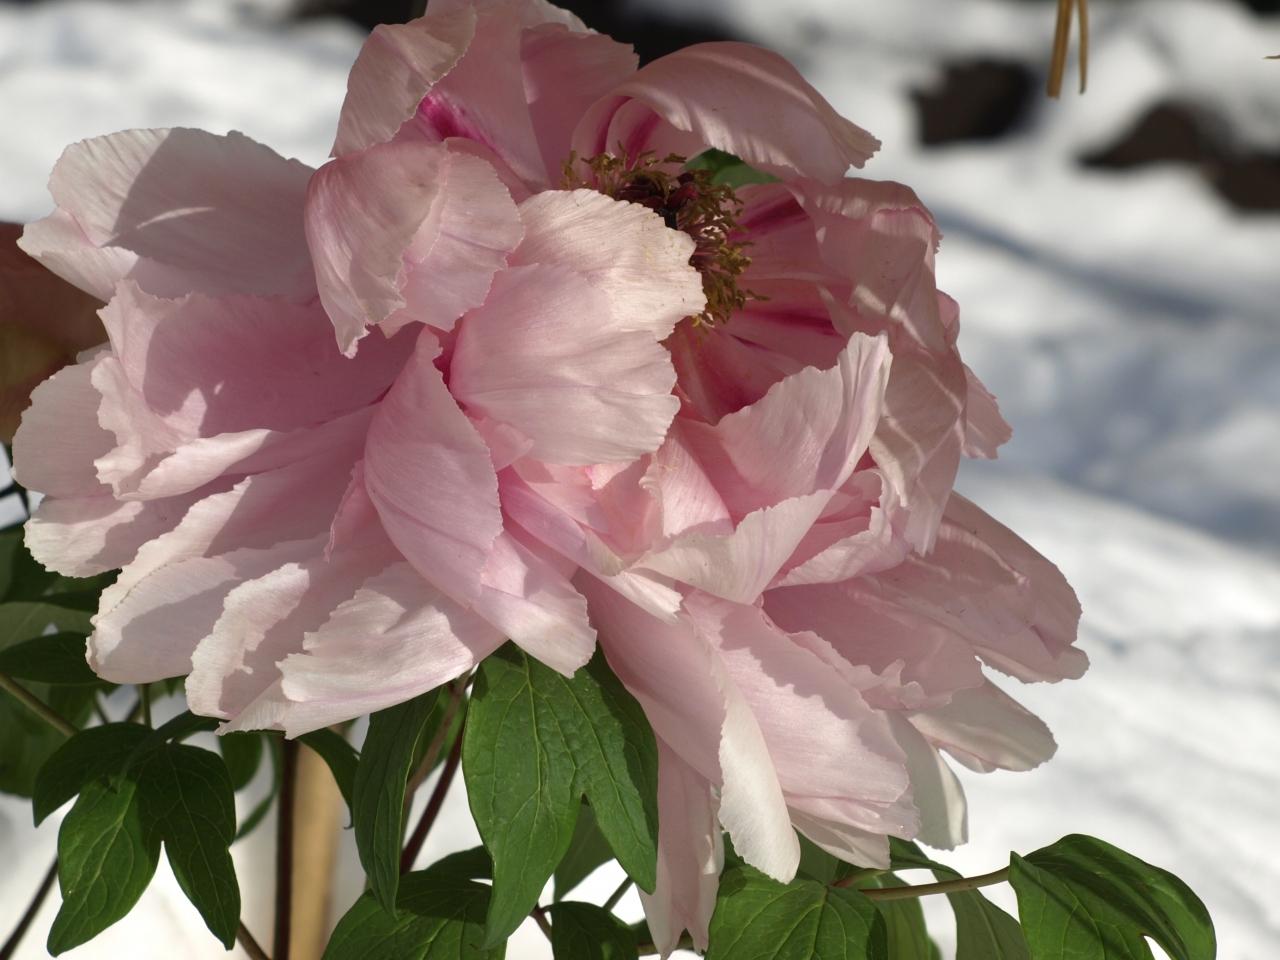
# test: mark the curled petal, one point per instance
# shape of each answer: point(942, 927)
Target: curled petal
point(406, 231)
point(732, 96)
point(985, 729)
point(429, 474)
point(59, 436)
point(542, 356)
point(212, 214)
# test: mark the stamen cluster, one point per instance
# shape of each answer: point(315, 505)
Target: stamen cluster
point(689, 201)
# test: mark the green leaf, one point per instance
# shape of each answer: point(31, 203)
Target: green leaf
point(1082, 898)
point(587, 850)
point(984, 931)
point(340, 756)
point(377, 794)
point(263, 806)
point(759, 919)
point(728, 169)
point(242, 753)
point(106, 858)
point(535, 742)
point(56, 658)
point(24, 619)
point(438, 917)
point(188, 800)
point(27, 741)
point(583, 931)
point(21, 577)
point(907, 935)
point(92, 754)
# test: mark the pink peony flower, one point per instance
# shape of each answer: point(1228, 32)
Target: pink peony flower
point(578, 388)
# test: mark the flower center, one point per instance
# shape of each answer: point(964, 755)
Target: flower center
point(688, 201)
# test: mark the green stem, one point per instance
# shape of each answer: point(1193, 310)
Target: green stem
point(284, 847)
point(540, 918)
point(927, 889)
point(144, 692)
point(618, 894)
point(684, 943)
point(36, 706)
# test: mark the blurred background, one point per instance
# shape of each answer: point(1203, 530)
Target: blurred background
point(1117, 261)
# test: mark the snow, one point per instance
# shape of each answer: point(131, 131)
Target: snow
point(1127, 322)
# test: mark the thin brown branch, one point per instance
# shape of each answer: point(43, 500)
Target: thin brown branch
point(284, 847)
point(1061, 42)
point(250, 945)
point(457, 690)
point(15, 938)
point(432, 810)
point(1083, 10)
point(540, 918)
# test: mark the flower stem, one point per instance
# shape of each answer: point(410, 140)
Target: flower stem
point(11, 945)
point(540, 918)
point(911, 891)
point(432, 810)
point(618, 894)
point(284, 848)
point(456, 692)
point(250, 945)
point(144, 693)
point(36, 706)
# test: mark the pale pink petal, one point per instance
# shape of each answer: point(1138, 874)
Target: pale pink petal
point(531, 601)
point(984, 728)
point(732, 96)
point(544, 356)
point(83, 536)
point(992, 589)
point(209, 366)
point(825, 741)
point(935, 789)
point(690, 855)
point(805, 435)
point(396, 67)
point(59, 437)
point(60, 243)
point(406, 231)
point(739, 565)
point(214, 214)
point(917, 660)
point(686, 495)
point(985, 430)
point(396, 638)
point(623, 249)
point(565, 71)
point(429, 474)
point(860, 533)
point(859, 847)
point(675, 674)
point(264, 620)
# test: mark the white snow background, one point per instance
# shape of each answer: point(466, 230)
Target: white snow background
point(1127, 322)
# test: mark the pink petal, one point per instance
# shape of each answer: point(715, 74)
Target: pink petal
point(396, 67)
point(59, 437)
point(690, 855)
point(544, 356)
point(210, 366)
point(935, 789)
point(859, 847)
point(985, 430)
point(531, 601)
point(215, 214)
point(623, 249)
point(565, 71)
point(396, 638)
point(83, 536)
point(429, 474)
point(675, 674)
point(60, 243)
point(805, 435)
point(823, 738)
point(992, 589)
point(984, 728)
point(732, 96)
point(406, 231)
